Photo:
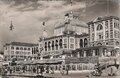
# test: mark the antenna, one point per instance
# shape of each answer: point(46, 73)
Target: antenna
point(11, 26)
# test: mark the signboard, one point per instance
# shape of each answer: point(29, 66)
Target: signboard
point(81, 60)
point(52, 53)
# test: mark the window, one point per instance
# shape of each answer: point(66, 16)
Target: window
point(65, 43)
point(81, 43)
point(6, 48)
point(60, 43)
point(106, 43)
point(49, 43)
point(117, 43)
point(52, 45)
point(28, 48)
point(111, 28)
point(99, 27)
point(17, 52)
point(107, 34)
point(100, 37)
point(12, 47)
point(45, 46)
point(72, 46)
point(85, 42)
point(73, 67)
point(17, 48)
point(106, 24)
point(93, 37)
point(25, 48)
point(12, 52)
point(28, 53)
point(21, 48)
point(71, 40)
point(56, 44)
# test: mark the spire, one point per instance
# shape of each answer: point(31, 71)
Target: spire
point(71, 5)
point(11, 26)
point(68, 18)
point(44, 31)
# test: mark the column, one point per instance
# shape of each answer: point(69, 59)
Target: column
point(93, 52)
point(41, 58)
point(84, 53)
point(51, 57)
point(105, 52)
point(100, 53)
point(78, 54)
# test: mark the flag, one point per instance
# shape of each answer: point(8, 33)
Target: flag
point(71, 2)
point(67, 14)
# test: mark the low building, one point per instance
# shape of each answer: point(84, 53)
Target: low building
point(19, 51)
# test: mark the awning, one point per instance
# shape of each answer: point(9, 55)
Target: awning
point(33, 62)
point(49, 61)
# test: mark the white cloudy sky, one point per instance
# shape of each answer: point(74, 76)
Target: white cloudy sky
point(27, 16)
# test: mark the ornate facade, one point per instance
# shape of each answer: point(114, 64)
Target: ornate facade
point(68, 36)
point(105, 31)
point(101, 38)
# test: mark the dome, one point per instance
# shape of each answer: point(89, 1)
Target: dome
point(73, 22)
point(78, 22)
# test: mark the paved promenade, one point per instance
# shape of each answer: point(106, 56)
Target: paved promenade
point(46, 75)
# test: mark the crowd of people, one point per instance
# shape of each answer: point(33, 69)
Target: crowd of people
point(35, 69)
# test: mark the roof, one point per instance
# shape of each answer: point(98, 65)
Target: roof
point(76, 35)
point(45, 61)
point(103, 18)
point(22, 44)
point(74, 22)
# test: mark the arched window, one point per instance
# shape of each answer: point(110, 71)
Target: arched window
point(117, 43)
point(52, 45)
point(81, 43)
point(99, 44)
point(17, 48)
point(21, 48)
point(56, 44)
point(49, 45)
point(60, 43)
point(99, 27)
point(85, 42)
point(12, 47)
point(25, 48)
point(45, 46)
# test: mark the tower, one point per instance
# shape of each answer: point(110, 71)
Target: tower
point(41, 40)
point(68, 17)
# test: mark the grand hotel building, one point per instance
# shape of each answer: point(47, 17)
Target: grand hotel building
point(74, 38)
